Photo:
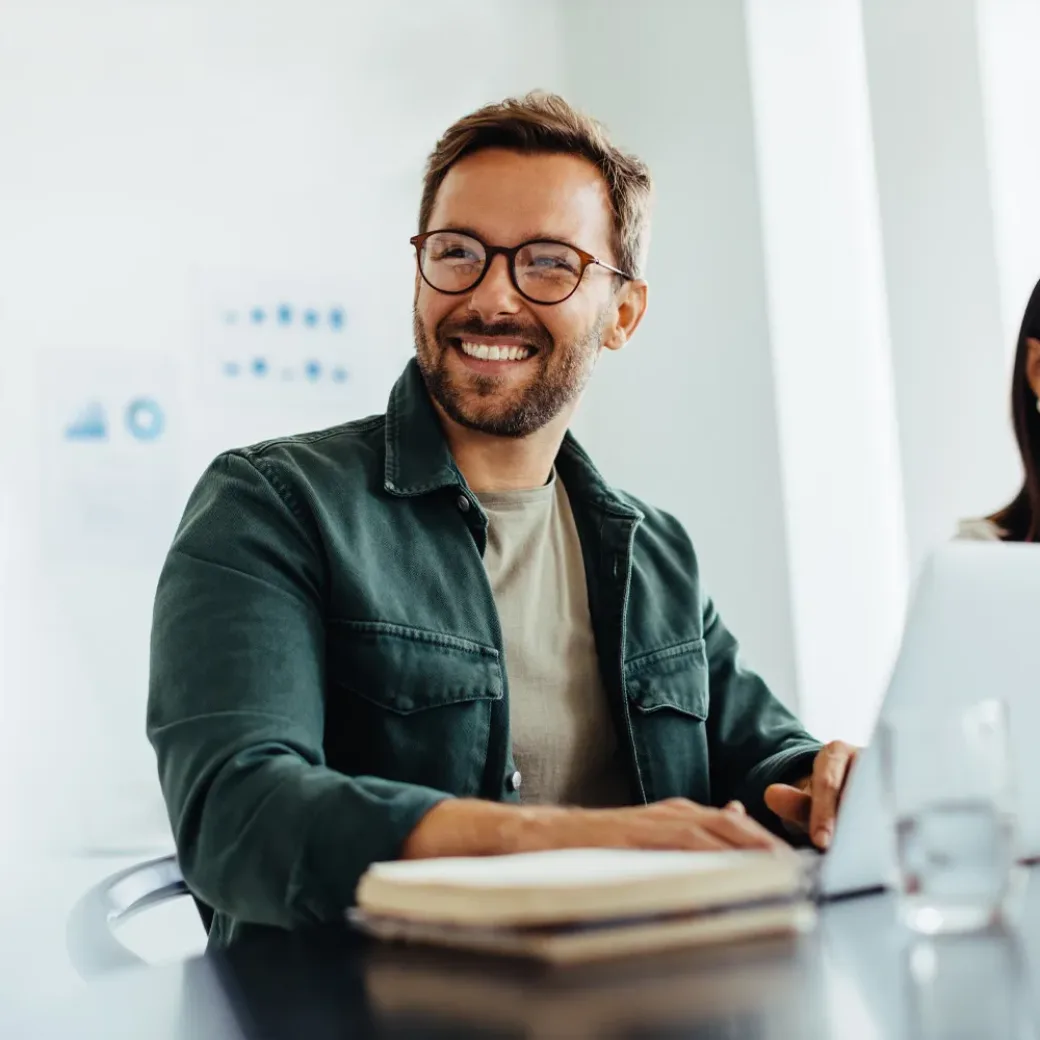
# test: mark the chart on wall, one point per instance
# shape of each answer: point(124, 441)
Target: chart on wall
point(279, 355)
point(109, 425)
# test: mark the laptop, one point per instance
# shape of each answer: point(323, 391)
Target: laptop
point(971, 633)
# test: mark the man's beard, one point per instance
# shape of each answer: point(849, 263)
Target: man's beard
point(563, 373)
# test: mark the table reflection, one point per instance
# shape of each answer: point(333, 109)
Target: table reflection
point(742, 992)
point(968, 987)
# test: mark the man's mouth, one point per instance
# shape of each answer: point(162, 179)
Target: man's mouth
point(509, 351)
point(494, 351)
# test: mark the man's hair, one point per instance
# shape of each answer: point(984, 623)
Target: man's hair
point(545, 123)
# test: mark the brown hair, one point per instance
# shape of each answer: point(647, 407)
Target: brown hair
point(541, 122)
point(1020, 519)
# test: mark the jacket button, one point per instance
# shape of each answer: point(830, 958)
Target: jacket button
point(515, 781)
point(463, 503)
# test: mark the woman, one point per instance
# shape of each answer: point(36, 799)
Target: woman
point(1019, 521)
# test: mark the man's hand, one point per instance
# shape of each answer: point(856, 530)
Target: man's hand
point(811, 805)
point(467, 827)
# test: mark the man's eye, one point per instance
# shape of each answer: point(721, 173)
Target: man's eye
point(549, 266)
point(456, 253)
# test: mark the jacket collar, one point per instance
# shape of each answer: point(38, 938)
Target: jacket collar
point(419, 461)
point(585, 483)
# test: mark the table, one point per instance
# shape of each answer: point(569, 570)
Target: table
point(856, 976)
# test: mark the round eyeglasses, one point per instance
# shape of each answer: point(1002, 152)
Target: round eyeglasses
point(543, 271)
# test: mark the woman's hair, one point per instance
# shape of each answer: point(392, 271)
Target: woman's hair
point(1020, 519)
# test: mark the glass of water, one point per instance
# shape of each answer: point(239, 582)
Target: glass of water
point(948, 784)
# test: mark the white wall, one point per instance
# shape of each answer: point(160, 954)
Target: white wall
point(831, 356)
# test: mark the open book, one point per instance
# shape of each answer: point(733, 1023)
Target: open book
point(582, 904)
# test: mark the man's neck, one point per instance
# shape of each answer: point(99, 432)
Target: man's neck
point(491, 463)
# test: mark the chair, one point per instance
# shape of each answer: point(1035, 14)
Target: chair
point(90, 938)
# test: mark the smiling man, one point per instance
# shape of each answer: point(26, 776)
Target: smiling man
point(439, 631)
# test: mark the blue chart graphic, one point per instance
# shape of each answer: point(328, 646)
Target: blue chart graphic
point(89, 425)
point(273, 358)
point(312, 370)
point(287, 316)
point(145, 419)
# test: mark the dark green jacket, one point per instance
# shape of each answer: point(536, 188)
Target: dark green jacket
point(327, 662)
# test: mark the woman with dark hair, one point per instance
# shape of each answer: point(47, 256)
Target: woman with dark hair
point(1019, 521)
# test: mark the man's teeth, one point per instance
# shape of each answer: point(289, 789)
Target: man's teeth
point(483, 352)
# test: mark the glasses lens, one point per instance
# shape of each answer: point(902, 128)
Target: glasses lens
point(547, 271)
point(451, 262)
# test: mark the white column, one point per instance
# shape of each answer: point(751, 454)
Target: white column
point(1009, 31)
point(829, 330)
point(948, 336)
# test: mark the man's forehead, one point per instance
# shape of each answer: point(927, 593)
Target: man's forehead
point(509, 197)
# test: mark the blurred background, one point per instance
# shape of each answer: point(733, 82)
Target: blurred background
point(205, 208)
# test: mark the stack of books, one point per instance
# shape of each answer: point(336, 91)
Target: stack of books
point(576, 905)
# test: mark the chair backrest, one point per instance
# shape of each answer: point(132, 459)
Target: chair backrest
point(205, 912)
point(89, 934)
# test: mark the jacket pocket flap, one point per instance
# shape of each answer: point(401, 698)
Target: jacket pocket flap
point(405, 669)
point(674, 678)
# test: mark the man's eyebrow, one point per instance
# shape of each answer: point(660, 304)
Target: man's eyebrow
point(462, 229)
point(527, 236)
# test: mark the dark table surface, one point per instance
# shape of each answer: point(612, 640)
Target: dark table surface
point(856, 976)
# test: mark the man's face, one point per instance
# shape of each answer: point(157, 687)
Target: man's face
point(506, 198)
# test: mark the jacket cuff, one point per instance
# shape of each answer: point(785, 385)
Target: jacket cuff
point(785, 767)
point(377, 829)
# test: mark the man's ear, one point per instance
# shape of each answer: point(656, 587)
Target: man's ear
point(630, 308)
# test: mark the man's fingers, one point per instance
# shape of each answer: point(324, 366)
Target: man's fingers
point(676, 824)
point(703, 840)
point(741, 831)
point(735, 807)
point(790, 804)
point(828, 781)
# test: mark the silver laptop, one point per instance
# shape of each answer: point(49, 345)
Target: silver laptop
point(973, 631)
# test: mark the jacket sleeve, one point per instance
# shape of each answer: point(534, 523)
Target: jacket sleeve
point(754, 741)
point(265, 831)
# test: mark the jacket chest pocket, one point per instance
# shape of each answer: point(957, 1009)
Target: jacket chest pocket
point(409, 705)
point(668, 695)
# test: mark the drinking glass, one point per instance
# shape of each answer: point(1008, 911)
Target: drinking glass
point(948, 786)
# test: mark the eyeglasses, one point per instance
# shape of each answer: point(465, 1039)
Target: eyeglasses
point(543, 271)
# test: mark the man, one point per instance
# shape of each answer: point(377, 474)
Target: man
point(439, 631)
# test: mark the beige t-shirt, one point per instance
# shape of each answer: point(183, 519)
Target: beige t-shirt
point(979, 531)
point(564, 743)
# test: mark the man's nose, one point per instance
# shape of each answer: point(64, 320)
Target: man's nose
point(495, 295)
